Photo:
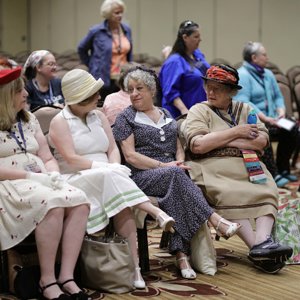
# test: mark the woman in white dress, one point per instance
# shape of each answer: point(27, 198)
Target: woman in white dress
point(90, 160)
point(34, 197)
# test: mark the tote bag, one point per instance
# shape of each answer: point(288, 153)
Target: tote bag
point(107, 264)
point(203, 253)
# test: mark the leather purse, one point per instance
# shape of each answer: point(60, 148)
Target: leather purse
point(106, 264)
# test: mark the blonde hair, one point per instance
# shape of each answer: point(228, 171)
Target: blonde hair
point(8, 112)
point(108, 6)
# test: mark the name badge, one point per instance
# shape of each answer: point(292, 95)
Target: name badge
point(32, 167)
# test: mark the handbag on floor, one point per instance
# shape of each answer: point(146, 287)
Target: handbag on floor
point(203, 254)
point(106, 264)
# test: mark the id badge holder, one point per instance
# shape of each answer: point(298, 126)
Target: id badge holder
point(32, 167)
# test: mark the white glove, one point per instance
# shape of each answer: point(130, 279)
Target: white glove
point(57, 180)
point(98, 164)
point(52, 180)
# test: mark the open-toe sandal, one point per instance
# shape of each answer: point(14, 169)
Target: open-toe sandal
point(188, 272)
point(165, 222)
point(75, 296)
point(231, 230)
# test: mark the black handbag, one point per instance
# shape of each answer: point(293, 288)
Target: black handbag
point(26, 283)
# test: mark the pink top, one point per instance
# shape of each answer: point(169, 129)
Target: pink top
point(114, 104)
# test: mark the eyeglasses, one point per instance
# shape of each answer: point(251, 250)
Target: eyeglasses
point(51, 64)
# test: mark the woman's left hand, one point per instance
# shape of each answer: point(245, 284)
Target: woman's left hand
point(177, 163)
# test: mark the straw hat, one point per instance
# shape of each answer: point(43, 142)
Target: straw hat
point(78, 85)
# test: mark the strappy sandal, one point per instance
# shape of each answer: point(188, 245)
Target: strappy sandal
point(187, 273)
point(76, 296)
point(43, 288)
point(139, 282)
point(231, 230)
point(165, 222)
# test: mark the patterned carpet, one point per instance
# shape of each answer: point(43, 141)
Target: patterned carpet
point(235, 279)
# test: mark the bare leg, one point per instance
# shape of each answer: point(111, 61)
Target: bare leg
point(48, 234)
point(125, 226)
point(165, 221)
point(149, 208)
point(73, 233)
point(246, 232)
point(264, 227)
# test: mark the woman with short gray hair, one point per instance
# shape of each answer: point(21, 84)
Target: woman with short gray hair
point(261, 90)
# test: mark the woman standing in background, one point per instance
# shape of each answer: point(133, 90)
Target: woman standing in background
point(107, 46)
point(180, 76)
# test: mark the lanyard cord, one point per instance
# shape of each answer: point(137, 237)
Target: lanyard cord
point(231, 116)
point(22, 144)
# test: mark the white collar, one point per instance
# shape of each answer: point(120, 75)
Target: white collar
point(142, 118)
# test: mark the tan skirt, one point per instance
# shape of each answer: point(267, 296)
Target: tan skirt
point(225, 183)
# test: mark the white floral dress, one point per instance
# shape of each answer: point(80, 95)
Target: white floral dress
point(24, 203)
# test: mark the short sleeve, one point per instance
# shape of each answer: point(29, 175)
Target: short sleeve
point(123, 126)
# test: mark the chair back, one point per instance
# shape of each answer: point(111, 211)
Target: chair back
point(45, 114)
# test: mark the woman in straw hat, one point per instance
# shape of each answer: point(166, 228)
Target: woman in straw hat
point(89, 157)
point(34, 197)
point(225, 139)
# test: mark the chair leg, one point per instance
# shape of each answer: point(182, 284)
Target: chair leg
point(4, 288)
point(143, 249)
point(164, 241)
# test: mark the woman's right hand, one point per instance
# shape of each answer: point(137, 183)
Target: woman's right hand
point(247, 131)
point(52, 179)
point(177, 163)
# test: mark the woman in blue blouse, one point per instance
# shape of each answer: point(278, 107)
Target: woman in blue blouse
point(180, 76)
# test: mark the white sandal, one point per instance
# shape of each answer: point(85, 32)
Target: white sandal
point(139, 282)
point(165, 222)
point(231, 230)
point(187, 273)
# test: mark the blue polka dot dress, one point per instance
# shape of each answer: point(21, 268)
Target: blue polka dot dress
point(177, 195)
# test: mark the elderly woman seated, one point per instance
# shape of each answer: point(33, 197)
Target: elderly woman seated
point(33, 196)
point(148, 138)
point(224, 140)
point(90, 160)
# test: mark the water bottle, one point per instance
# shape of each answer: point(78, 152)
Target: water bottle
point(252, 117)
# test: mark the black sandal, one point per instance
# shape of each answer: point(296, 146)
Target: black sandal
point(76, 296)
point(60, 297)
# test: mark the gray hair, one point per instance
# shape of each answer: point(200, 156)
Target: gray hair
point(108, 6)
point(143, 77)
point(250, 49)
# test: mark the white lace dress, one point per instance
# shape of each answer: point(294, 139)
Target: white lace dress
point(108, 191)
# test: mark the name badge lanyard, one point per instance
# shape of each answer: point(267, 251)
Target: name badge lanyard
point(251, 161)
point(230, 114)
point(22, 144)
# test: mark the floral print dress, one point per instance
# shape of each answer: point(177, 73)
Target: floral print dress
point(23, 202)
